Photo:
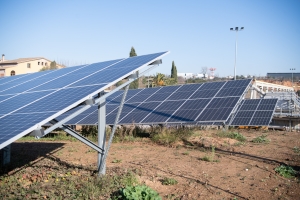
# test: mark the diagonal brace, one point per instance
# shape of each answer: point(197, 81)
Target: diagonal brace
point(81, 138)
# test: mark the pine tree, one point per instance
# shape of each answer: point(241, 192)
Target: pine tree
point(174, 72)
point(132, 52)
point(134, 84)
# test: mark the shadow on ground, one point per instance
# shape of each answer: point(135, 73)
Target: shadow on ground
point(24, 154)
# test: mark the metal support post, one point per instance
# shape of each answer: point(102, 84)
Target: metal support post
point(101, 134)
point(5, 155)
point(103, 165)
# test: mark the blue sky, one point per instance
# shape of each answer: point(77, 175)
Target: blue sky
point(195, 32)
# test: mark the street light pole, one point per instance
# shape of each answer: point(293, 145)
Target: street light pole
point(236, 29)
point(292, 69)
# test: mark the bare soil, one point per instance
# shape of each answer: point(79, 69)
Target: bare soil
point(236, 171)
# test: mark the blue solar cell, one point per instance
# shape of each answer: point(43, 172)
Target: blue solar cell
point(15, 124)
point(163, 112)
point(4, 97)
point(184, 92)
point(18, 101)
point(261, 118)
point(218, 109)
point(139, 113)
point(143, 95)
point(163, 93)
point(237, 84)
point(69, 78)
point(53, 101)
point(231, 92)
point(242, 118)
point(204, 94)
point(212, 86)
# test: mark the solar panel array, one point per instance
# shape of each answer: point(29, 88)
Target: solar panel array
point(30, 100)
point(255, 112)
point(205, 103)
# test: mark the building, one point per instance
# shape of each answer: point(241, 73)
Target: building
point(285, 76)
point(23, 65)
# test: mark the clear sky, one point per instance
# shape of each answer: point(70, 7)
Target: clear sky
point(195, 32)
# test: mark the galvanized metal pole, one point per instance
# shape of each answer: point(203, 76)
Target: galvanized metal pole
point(102, 166)
point(101, 134)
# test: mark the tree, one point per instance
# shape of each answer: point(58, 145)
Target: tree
point(204, 71)
point(53, 65)
point(132, 52)
point(174, 72)
point(159, 80)
point(134, 84)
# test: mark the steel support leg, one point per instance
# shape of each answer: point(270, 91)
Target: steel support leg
point(101, 134)
point(103, 165)
point(5, 155)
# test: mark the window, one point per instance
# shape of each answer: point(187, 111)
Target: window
point(38, 63)
point(42, 63)
point(28, 65)
point(46, 63)
point(12, 73)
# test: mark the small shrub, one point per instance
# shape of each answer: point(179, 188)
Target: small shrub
point(210, 158)
point(141, 192)
point(261, 139)
point(232, 135)
point(286, 171)
point(170, 136)
point(88, 131)
point(169, 181)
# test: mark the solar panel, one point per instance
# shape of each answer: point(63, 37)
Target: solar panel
point(254, 112)
point(31, 100)
point(175, 104)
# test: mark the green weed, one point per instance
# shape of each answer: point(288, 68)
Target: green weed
point(232, 135)
point(286, 171)
point(261, 139)
point(141, 192)
point(169, 181)
point(296, 150)
point(211, 157)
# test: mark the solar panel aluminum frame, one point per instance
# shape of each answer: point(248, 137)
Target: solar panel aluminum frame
point(39, 125)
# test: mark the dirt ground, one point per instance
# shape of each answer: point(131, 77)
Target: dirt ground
point(236, 171)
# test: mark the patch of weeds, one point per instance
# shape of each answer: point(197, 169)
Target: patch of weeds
point(239, 144)
point(186, 153)
point(232, 135)
point(286, 171)
point(296, 150)
point(136, 192)
point(211, 157)
point(170, 136)
point(116, 161)
point(261, 139)
point(169, 181)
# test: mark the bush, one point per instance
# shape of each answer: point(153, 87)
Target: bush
point(286, 171)
point(232, 135)
point(88, 131)
point(261, 139)
point(170, 136)
point(141, 192)
point(169, 181)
